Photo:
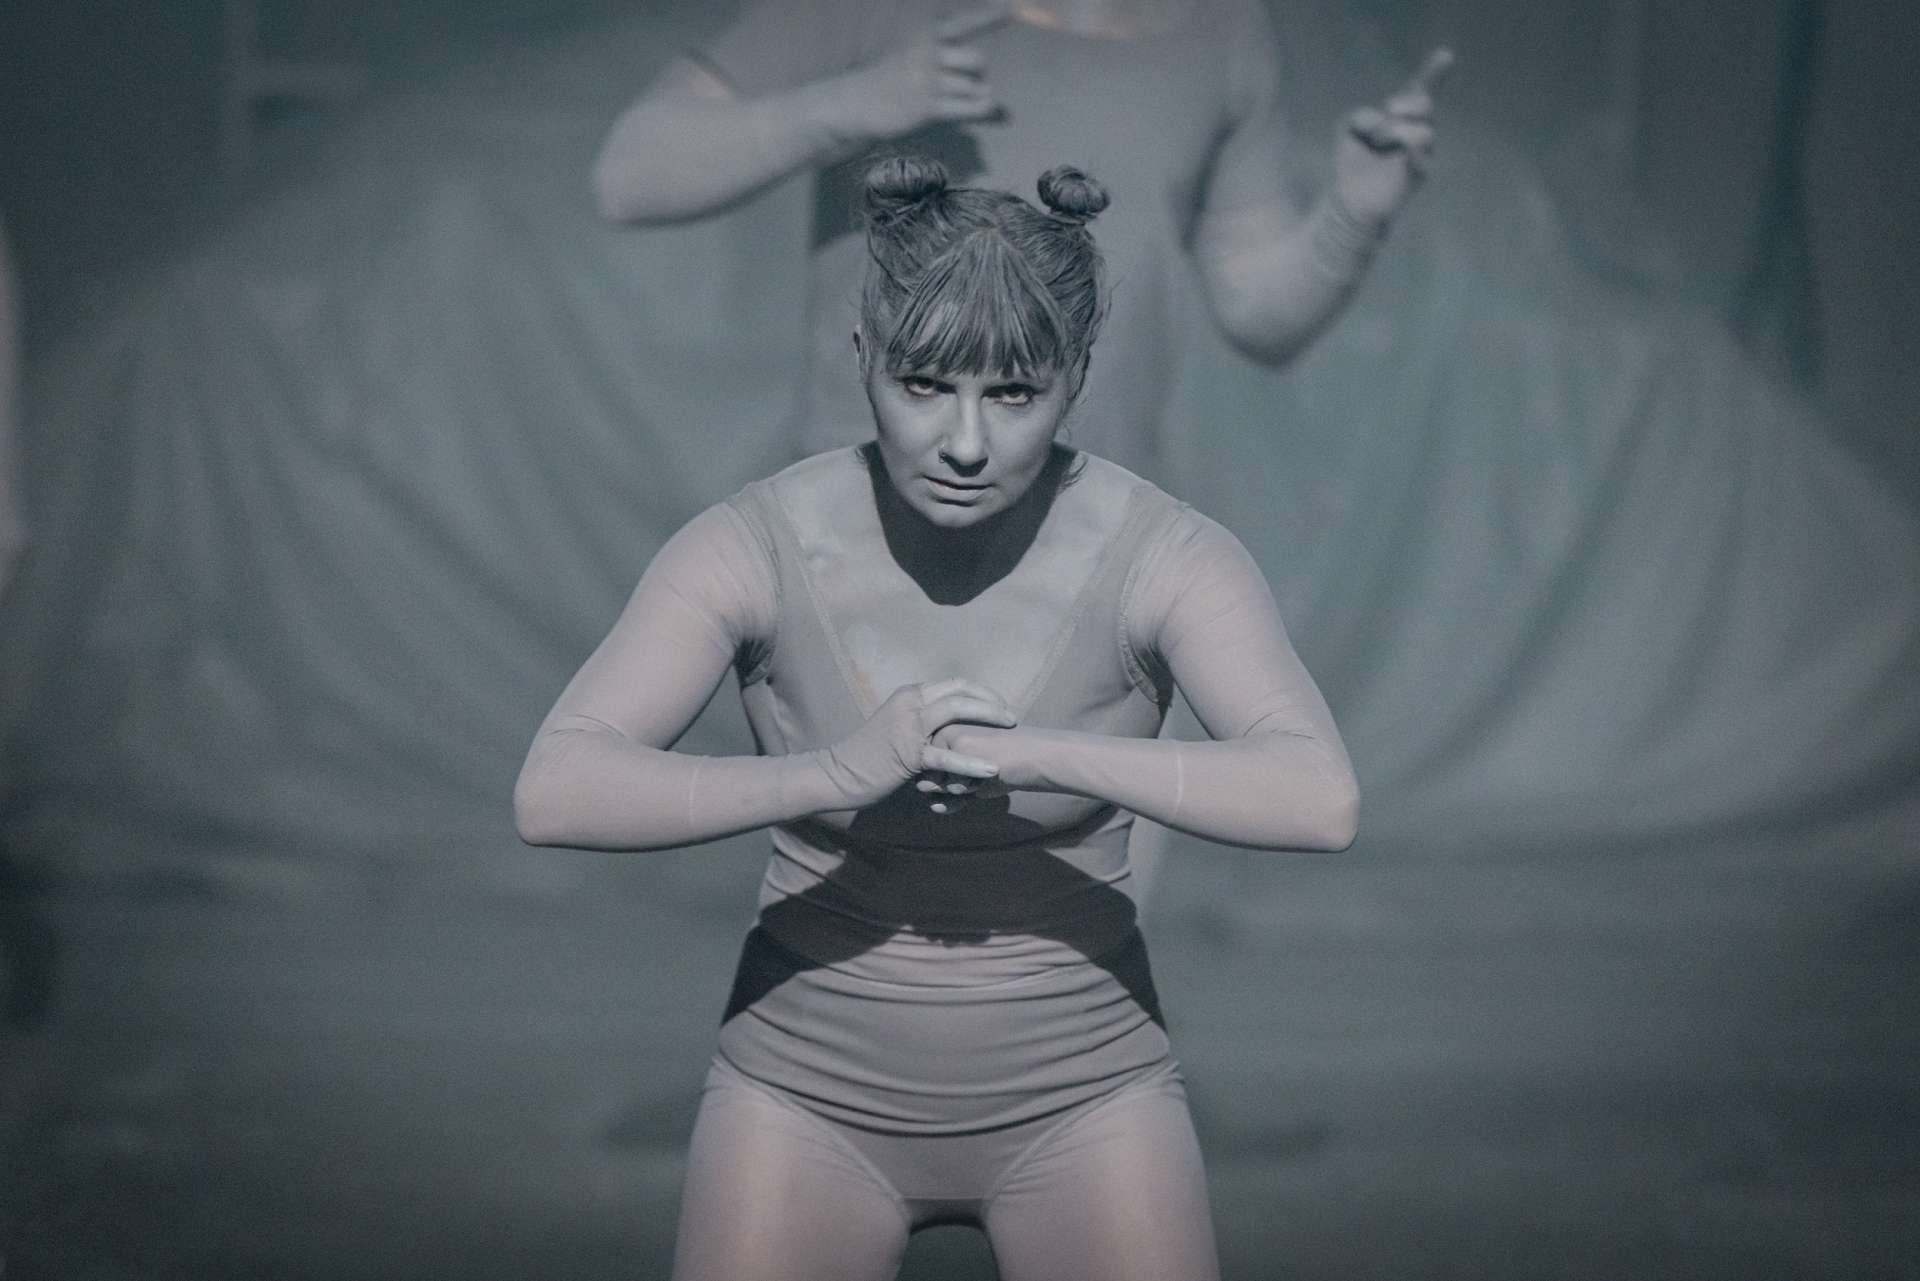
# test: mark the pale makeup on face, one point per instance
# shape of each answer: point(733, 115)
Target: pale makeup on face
point(962, 447)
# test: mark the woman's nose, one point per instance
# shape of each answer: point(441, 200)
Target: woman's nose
point(965, 445)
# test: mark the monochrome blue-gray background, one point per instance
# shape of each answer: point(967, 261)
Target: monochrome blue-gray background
point(346, 428)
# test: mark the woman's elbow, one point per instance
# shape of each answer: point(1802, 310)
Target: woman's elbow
point(1325, 823)
point(1341, 822)
point(615, 195)
point(1262, 331)
point(536, 817)
point(626, 180)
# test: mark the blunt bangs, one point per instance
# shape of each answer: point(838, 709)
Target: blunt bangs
point(980, 310)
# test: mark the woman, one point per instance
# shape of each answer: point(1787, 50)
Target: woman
point(1178, 103)
point(955, 646)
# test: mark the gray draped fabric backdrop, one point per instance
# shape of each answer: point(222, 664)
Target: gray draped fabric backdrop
point(1590, 516)
point(333, 498)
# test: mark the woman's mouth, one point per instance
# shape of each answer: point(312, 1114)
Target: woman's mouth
point(957, 491)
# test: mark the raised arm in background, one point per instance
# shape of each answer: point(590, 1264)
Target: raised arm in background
point(690, 146)
point(1276, 276)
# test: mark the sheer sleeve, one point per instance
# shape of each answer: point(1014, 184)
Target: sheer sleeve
point(1275, 776)
point(726, 119)
point(601, 772)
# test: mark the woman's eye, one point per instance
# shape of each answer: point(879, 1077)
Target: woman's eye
point(1015, 395)
point(920, 386)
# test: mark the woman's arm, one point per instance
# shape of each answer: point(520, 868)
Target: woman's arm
point(691, 146)
point(601, 773)
point(1277, 775)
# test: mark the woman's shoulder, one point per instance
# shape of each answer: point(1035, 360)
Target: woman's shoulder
point(1109, 485)
point(1175, 538)
point(795, 497)
point(820, 482)
point(1109, 479)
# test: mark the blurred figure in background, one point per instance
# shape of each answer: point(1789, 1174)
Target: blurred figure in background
point(1175, 103)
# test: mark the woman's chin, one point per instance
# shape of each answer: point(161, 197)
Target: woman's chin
point(955, 515)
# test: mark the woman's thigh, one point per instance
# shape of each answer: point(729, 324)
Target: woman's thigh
point(1118, 1194)
point(772, 1194)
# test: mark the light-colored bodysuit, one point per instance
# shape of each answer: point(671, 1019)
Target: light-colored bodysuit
point(1174, 123)
point(946, 1017)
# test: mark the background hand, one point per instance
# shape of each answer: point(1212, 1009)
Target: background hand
point(897, 745)
point(939, 75)
point(1383, 151)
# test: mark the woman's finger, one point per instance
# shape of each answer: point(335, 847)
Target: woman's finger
point(962, 687)
point(956, 685)
point(950, 716)
point(939, 758)
point(941, 688)
point(969, 708)
point(952, 784)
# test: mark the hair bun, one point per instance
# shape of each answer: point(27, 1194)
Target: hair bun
point(897, 184)
point(1070, 195)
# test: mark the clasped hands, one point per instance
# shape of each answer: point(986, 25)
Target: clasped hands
point(937, 736)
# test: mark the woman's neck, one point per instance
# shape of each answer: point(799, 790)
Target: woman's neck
point(952, 566)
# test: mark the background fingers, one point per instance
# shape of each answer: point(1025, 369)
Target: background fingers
point(1411, 104)
point(1382, 132)
point(1433, 70)
point(1370, 125)
point(967, 102)
point(969, 23)
point(962, 60)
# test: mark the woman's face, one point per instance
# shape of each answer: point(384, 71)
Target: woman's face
point(960, 448)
